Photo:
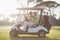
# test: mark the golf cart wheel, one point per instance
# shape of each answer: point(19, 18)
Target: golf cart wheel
point(41, 33)
point(12, 34)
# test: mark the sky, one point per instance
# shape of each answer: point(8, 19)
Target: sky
point(8, 7)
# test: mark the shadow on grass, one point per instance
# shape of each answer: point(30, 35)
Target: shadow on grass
point(32, 38)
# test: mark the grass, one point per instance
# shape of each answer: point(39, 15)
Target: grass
point(53, 35)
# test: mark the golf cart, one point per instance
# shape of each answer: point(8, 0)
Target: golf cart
point(40, 30)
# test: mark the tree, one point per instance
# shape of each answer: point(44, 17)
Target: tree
point(30, 0)
point(48, 5)
point(39, 0)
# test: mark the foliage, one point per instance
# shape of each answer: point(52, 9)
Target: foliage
point(48, 5)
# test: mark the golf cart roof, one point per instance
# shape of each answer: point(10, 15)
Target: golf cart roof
point(34, 8)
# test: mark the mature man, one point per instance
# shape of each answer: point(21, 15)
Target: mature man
point(28, 22)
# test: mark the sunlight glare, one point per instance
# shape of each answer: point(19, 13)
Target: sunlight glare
point(8, 7)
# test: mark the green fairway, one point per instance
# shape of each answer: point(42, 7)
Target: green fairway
point(53, 35)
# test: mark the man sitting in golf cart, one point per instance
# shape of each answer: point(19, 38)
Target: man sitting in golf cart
point(28, 22)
